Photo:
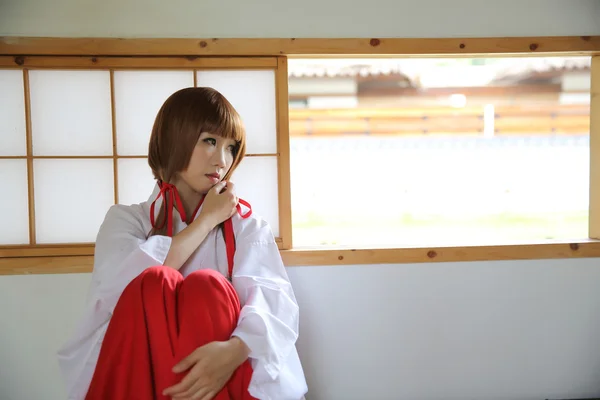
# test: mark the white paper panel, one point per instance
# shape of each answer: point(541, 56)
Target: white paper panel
point(14, 226)
point(138, 97)
point(12, 114)
point(135, 180)
point(71, 112)
point(256, 182)
point(252, 93)
point(71, 198)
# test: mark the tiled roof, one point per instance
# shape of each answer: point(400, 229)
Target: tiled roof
point(411, 68)
point(536, 65)
point(343, 68)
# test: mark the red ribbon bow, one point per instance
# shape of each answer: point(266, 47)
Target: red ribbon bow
point(169, 191)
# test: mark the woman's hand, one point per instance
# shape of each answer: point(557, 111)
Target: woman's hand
point(210, 368)
point(217, 208)
point(219, 203)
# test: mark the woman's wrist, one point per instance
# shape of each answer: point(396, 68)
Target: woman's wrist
point(207, 220)
point(240, 350)
point(187, 241)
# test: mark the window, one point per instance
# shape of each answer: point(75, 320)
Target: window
point(409, 152)
point(75, 142)
point(65, 118)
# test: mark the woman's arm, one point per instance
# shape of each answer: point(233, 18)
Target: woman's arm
point(187, 241)
point(123, 251)
point(217, 207)
point(268, 322)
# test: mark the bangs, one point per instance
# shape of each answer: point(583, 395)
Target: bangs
point(227, 124)
point(184, 116)
point(220, 118)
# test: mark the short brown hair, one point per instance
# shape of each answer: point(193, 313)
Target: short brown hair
point(177, 128)
point(178, 125)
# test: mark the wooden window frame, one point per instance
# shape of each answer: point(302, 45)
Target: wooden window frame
point(112, 64)
point(110, 53)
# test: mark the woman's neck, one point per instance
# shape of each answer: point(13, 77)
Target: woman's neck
point(189, 198)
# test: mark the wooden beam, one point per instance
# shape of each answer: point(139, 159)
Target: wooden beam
point(103, 157)
point(564, 45)
point(59, 250)
point(52, 61)
point(46, 265)
point(594, 217)
point(29, 141)
point(283, 148)
point(440, 254)
point(113, 116)
point(326, 257)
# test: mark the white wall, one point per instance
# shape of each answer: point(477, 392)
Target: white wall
point(484, 330)
point(299, 18)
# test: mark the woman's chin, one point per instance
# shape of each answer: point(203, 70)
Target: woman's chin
point(202, 191)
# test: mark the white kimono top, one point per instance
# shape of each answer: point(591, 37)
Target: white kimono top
point(268, 322)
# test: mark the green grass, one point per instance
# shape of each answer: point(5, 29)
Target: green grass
point(411, 229)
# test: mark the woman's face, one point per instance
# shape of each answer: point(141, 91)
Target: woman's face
point(211, 160)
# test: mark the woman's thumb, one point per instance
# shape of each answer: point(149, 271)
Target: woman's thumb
point(183, 365)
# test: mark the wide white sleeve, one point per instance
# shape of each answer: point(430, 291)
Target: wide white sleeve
point(123, 252)
point(268, 322)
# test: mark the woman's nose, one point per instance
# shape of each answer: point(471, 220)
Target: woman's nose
point(219, 158)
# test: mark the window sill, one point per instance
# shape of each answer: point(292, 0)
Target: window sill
point(55, 261)
point(524, 251)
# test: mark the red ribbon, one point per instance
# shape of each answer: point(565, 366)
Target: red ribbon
point(169, 191)
point(229, 236)
point(239, 209)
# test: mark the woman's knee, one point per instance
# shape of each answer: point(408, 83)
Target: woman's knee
point(205, 279)
point(209, 291)
point(208, 282)
point(159, 271)
point(148, 284)
point(158, 275)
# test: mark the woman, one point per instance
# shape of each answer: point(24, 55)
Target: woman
point(189, 296)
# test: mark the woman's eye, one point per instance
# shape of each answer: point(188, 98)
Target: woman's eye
point(232, 148)
point(210, 141)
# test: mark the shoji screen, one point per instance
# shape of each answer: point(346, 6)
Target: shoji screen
point(74, 141)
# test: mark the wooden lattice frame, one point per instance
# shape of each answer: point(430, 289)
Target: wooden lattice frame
point(181, 53)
